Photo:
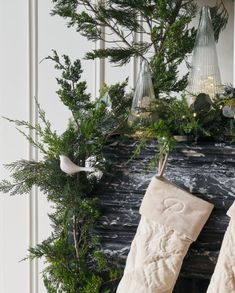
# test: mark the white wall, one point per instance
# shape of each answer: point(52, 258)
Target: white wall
point(18, 225)
point(14, 225)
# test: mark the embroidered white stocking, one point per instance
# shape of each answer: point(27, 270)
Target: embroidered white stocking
point(171, 219)
point(223, 278)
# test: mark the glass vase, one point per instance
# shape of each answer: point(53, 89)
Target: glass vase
point(144, 98)
point(204, 74)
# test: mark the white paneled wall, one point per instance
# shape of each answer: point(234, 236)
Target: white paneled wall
point(28, 34)
point(14, 102)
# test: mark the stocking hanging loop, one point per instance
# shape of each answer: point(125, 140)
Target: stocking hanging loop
point(162, 165)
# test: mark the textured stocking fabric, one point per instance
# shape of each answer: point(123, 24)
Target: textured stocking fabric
point(171, 219)
point(154, 260)
point(223, 279)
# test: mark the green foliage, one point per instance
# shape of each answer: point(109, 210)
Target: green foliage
point(212, 124)
point(219, 15)
point(93, 285)
point(74, 260)
point(203, 120)
point(72, 91)
point(171, 116)
point(168, 38)
point(174, 116)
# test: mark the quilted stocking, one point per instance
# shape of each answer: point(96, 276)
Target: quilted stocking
point(223, 279)
point(171, 220)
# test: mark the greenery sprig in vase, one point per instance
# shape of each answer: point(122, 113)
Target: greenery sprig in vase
point(166, 39)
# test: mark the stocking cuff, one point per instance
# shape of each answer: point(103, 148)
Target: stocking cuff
point(176, 208)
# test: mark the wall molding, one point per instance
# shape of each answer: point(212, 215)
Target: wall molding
point(33, 119)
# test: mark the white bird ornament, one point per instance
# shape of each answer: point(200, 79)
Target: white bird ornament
point(68, 167)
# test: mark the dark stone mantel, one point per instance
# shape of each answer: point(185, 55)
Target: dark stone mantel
point(206, 170)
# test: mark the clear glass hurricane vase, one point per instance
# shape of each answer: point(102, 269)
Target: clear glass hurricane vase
point(144, 98)
point(204, 74)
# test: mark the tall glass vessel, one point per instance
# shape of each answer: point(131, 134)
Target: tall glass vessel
point(204, 75)
point(144, 98)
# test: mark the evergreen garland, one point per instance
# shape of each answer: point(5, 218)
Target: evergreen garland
point(74, 259)
point(173, 121)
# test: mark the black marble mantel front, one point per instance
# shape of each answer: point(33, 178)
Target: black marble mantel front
point(207, 170)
